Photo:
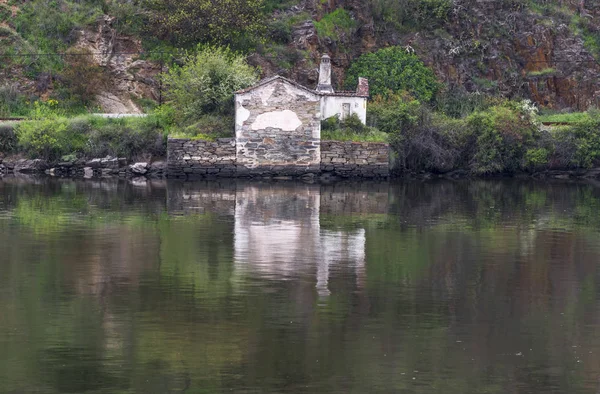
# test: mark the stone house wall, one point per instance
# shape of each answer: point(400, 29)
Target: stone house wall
point(355, 159)
point(278, 128)
point(197, 158)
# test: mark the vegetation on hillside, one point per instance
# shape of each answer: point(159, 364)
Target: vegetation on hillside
point(431, 125)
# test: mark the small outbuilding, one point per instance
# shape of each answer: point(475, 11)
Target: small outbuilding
point(278, 121)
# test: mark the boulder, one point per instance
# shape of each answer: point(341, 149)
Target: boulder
point(88, 172)
point(139, 168)
point(30, 166)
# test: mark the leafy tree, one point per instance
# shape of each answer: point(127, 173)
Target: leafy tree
point(392, 70)
point(187, 22)
point(205, 84)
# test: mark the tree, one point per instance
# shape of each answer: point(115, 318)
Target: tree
point(205, 84)
point(392, 70)
point(83, 76)
point(187, 22)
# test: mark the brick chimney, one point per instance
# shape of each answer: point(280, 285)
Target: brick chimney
point(324, 85)
point(363, 87)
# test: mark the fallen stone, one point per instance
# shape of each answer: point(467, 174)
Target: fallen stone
point(139, 168)
point(88, 172)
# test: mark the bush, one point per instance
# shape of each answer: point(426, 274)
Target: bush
point(334, 24)
point(350, 129)
point(503, 135)
point(83, 76)
point(205, 84)
point(90, 136)
point(585, 136)
point(391, 71)
point(410, 14)
point(8, 138)
point(427, 141)
point(12, 102)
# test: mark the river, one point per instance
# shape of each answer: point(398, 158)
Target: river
point(470, 286)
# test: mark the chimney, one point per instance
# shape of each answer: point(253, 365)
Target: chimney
point(363, 87)
point(324, 85)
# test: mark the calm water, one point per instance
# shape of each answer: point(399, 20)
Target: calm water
point(436, 287)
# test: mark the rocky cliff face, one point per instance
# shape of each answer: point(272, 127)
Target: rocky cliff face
point(541, 49)
point(507, 48)
point(128, 76)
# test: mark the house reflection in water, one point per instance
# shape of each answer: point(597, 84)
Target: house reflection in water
point(278, 235)
point(286, 231)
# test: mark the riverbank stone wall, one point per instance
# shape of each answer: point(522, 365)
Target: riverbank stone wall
point(355, 159)
point(188, 158)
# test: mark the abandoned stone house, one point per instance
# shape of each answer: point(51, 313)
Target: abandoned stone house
point(278, 132)
point(278, 121)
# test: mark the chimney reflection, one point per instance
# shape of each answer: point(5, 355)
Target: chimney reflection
point(278, 235)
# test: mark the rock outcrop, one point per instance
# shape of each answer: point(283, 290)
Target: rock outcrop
point(129, 76)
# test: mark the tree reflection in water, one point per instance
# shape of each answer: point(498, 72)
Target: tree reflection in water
point(417, 287)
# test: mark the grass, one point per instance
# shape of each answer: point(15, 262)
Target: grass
point(334, 23)
point(344, 135)
point(574, 117)
point(542, 73)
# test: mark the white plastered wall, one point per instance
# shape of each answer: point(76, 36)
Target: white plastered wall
point(332, 106)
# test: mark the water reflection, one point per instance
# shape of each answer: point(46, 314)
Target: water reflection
point(466, 286)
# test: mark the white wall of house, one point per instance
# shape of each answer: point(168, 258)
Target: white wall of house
point(343, 106)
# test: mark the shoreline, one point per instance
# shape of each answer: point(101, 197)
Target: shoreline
point(111, 167)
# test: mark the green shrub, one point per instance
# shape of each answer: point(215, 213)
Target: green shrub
point(335, 24)
point(410, 14)
point(393, 113)
point(428, 142)
point(503, 135)
point(8, 138)
point(456, 102)
point(48, 139)
point(536, 158)
point(586, 135)
point(12, 102)
point(391, 71)
point(350, 129)
point(90, 136)
point(205, 84)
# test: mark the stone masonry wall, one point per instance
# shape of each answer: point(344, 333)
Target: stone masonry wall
point(278, 129)
point(355, 159)
point(196, 158)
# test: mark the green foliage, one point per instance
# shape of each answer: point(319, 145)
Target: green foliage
point(586, 137)
point(573, 117)
point(224, 22)
point(405, 15)
point(421, 139)
point(335, 24)
point(49, 26)
point(5, 13)
point(12, 102)
point(536, 158)
point(503, 134)
point(214, 126)
point(205, 84)
point(90, 136)
point(83, 77)
point(392, 70)
point(350, 129)
point(8, 138)
point(456, 102)
point(48, 139)
point(542, 73)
